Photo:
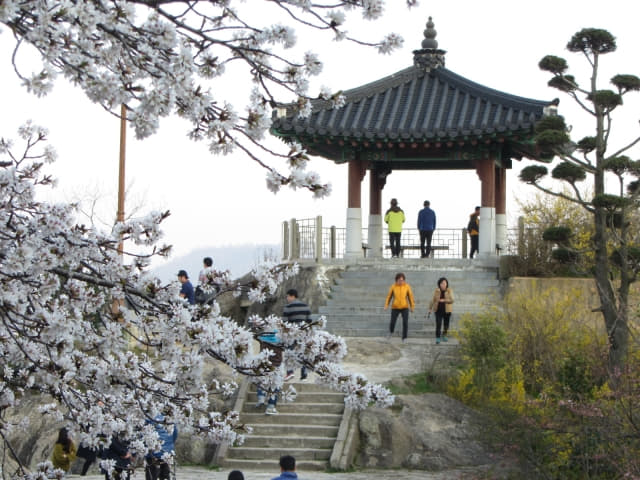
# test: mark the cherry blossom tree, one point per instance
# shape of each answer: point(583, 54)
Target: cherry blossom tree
point(94, 332)
point(109, 345)
point(167, 57)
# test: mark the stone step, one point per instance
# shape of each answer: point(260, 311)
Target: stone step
point(297, 407)
point(272, 465)
point(378, 308)
point(381, 332)
point(251, 453)
point(365, 318)
point(418, 290)
point(363, 287)
point(419, 274)
point(306, 387)
point(373, 300)
point(421, 264)
point(280, 430)
point(413, 273)
point(307, 397)
point(290, 441)
point(330, 419)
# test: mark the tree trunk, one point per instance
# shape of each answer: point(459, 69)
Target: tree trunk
point(614, 320)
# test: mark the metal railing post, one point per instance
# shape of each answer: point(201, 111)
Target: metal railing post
point(332, 242)
point(464, 243)
point(521, 237)
point(318, 239)
point(295, 239)
point(285, 240)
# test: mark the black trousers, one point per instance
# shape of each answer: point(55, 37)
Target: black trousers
point(442, 318)
point(156, 468)
point(89, 456)
point(474, 244)
point(405, 320)
point(394, 243)
point(425, 237)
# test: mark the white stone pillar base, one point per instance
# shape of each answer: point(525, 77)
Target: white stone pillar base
point(353, 234)
point(501, 232)
point(487, 240)
point(375, 236)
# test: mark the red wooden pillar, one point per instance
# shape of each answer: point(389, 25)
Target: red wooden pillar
point(355, 180)
point(377, 180)
point(376, 183)
point(501, 190)
point(353, 234)
point(486, 172)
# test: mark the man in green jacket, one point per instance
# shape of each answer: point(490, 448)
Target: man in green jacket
point(394, 219)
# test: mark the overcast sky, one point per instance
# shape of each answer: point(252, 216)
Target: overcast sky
point(217, 201)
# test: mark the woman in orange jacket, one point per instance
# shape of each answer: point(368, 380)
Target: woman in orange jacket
point(442, 304)
point(402, 296)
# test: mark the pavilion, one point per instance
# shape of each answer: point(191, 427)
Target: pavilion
point(424, 117)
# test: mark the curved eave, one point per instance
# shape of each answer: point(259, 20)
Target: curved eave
point(338, 148)
point(334, 147)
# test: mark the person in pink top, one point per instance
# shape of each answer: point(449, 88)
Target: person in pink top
point(402, 297)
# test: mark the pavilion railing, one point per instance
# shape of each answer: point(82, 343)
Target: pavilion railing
point(308, 239)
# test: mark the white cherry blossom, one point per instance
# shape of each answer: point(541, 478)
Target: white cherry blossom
point(169, 58)
point(114, 347)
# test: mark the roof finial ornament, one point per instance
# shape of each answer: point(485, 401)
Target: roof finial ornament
point(429, 56)
point(430, 36)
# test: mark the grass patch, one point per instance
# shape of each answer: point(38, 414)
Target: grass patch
point(415, 384)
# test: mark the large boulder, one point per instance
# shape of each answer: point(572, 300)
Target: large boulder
point(424, 432)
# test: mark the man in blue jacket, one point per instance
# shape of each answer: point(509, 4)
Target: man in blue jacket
point(156, 466)
point(426, 225)
point(186, 291)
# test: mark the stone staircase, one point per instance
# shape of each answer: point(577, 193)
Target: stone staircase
point(306, 428)
point(355, 307)
point(313, 427)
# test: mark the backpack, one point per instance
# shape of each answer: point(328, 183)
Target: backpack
point(471, 225)
point(201, 297)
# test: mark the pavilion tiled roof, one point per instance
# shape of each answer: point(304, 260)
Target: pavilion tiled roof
point(416, 105)
point(423, 112)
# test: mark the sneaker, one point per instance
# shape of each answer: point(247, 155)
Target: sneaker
point(387, 337)
point(404, 340)
point(438, 341)
point(288, 376)
point(303, 377)
point(444, 338)
point(271, 410)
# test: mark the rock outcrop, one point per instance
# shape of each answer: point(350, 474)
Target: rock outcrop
point(423, 432)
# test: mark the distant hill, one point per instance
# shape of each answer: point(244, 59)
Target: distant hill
point(238, 259)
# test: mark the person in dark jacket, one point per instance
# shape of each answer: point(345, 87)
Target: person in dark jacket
point(118, 451)
point(426, 226)
point(474, 230)
point(296, 311)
